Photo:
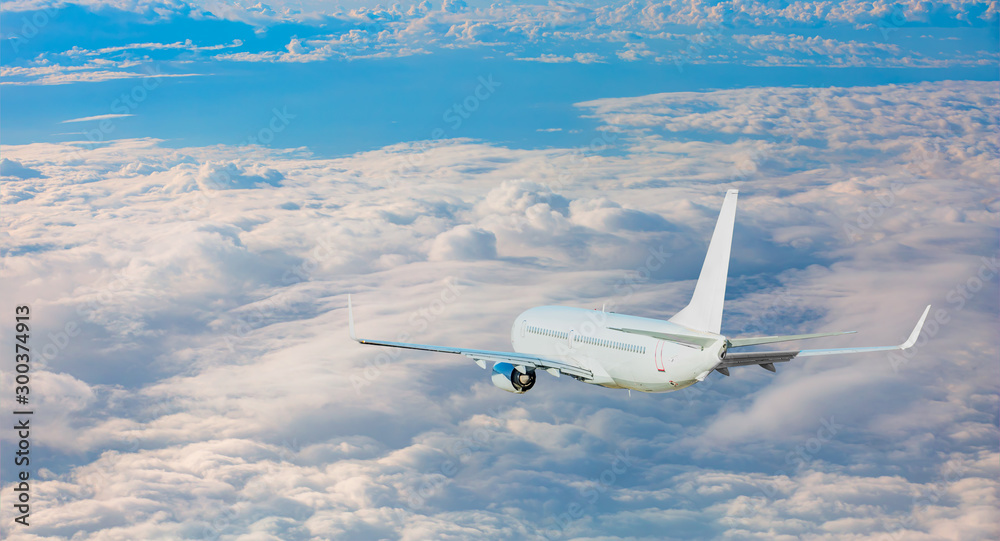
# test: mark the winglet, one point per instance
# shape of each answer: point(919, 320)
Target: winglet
point(916, 330)
point(350, 319)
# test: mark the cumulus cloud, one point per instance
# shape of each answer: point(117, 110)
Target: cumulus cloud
point(212, 389)
point(453, 6)
point(464, 242)
point(211, 176)
point(14, 168)
point(582, 58)
point(672, 32)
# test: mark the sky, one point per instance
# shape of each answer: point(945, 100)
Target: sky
point(190, 190)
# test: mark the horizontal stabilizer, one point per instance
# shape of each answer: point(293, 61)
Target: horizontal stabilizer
point(768, 358)
point(905, 345)
point(756, 341)
point(691, 341)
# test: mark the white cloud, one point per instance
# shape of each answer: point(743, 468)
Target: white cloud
point(14, 168)
point(97, 117)
point(582, 58)
point(186, 45)
point(93, 71)
point(453, 6)
point(213, 391)
point(464, 242)
point(670, 32)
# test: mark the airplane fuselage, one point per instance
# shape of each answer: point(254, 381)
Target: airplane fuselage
point(617, 359)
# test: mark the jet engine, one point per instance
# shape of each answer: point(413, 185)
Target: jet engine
point(511, 380)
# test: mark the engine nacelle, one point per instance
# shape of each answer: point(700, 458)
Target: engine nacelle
point(511, 379)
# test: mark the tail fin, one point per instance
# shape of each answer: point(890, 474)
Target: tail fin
point(704, 312)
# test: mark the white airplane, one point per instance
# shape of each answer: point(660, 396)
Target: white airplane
point(629, 352)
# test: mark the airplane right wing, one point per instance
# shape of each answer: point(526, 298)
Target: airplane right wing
point(766, 359)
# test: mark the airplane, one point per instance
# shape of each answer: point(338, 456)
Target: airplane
point(628, 352)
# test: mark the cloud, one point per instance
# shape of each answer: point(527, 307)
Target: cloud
point(464, 242)
point(212, 390)
point(453, 6)
point(186, 45)
point(92, 72)
point(634, 52)
point(841, 118)
point(582, 58)
point(674, 32)
point(210, 177)
point(96, 117)
point(14, 168)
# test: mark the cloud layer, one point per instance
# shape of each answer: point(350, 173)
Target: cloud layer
point(670, 33)
point(210, 390)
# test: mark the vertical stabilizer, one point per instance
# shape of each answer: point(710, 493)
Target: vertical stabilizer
point(704, 312)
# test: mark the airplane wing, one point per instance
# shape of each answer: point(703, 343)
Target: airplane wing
point(481, 356)
point(766, 359)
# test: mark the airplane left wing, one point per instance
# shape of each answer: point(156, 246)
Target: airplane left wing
point(481, 356)
point(766, 359)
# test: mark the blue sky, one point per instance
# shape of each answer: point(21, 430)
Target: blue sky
point(431, 60)
point(195, 188)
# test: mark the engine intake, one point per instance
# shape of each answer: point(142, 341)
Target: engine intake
point(510, 379)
